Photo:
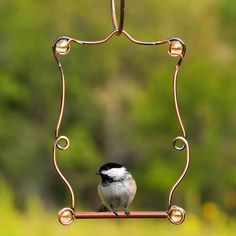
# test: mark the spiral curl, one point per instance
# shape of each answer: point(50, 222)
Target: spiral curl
point(179, 148)
point(66, 144)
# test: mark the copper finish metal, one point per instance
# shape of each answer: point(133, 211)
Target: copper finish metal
point(66, 216)
point(176, 215)
point(114, 18)
point(185, 144)
point(176, 48)
point(111, 215)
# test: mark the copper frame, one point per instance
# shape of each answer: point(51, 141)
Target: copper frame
point(176, 48)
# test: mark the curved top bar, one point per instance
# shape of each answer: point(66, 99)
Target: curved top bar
point(84, 42)
point(143, 42)
point(114, 18)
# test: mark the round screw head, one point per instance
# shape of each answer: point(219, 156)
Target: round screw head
point(66, 216)
point(62, 46)
point(176, 49)
point(176, 215)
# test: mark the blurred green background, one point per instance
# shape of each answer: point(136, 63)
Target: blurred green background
point(119, 108)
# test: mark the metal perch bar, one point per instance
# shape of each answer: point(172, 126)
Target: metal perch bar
point(111, 215)
point(175, 215)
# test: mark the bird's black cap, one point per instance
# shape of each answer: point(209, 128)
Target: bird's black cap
point(109, 166)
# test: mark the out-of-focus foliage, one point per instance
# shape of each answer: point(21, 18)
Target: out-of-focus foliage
point(35, 220)
point(119, 103)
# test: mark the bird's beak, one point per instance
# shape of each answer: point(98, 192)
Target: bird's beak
point(97, 173)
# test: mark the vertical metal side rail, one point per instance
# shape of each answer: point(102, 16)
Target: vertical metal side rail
point(66, 215)
point(177, 48)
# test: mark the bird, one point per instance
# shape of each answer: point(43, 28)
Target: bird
point(117, 188)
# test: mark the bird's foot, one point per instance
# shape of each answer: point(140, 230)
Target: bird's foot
point(114, 211)
point(127, 213)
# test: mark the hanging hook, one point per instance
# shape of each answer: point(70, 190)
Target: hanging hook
point(117, 28)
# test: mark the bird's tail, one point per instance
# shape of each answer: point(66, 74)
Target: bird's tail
point(102, 208)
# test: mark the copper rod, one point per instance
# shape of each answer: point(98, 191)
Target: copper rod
point(111, 215)
point(62, 176)
point(114, 18)
point(63, 94)
point(110, 35)
point(176, 100)
point(182, 139)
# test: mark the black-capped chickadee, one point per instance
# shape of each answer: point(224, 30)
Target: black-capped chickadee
point(117, 188)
